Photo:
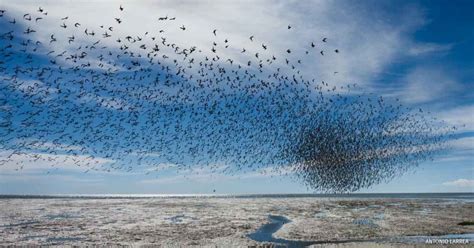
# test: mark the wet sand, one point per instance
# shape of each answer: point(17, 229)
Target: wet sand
point(178, 222)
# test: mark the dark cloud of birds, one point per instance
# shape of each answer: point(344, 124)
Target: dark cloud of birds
point(147, 100)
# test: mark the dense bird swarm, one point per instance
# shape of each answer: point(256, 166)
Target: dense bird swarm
point(89, 95)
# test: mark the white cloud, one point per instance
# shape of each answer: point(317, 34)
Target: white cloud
point(429, 48)
point(426, 84)
point(32, 162)
point(28, 178)
point(161, 167)
point(462, 150)
point(466, 143)
point(462, 117)
point(206, 175)
point(464, 183)
point(367, 44)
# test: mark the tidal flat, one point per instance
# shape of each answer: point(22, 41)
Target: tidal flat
point(235, 222)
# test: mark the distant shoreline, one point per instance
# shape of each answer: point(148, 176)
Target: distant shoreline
point(459, 195)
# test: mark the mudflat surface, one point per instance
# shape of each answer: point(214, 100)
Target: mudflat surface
point(173, 222)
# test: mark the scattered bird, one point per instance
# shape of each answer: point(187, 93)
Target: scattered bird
point(27, 17)
point(135, 96)
point(52, 39)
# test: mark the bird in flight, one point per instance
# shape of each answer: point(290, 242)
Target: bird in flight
point(194, 105)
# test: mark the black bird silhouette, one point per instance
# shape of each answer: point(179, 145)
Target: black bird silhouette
point(149, 94)
point(52, 39)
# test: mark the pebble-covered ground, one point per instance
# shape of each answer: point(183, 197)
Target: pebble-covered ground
point(226, 221)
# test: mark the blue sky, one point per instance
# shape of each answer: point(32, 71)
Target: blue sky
point(418, 51)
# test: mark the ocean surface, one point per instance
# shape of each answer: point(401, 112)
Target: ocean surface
point(458, 196)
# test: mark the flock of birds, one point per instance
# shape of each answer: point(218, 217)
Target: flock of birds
point(88, 94)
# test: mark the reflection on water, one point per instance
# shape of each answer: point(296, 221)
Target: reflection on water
point(179, 218)
point(62, 239)
point(265, 233)
point(25, 223)
point(365, 222)
point(60, 216)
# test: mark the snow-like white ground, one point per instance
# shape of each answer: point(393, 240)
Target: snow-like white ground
point(224, 222)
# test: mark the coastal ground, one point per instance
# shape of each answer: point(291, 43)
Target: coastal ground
point(224, 222)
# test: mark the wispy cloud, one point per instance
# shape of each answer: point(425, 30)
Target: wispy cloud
point(463, 183)
point(429, 48)
point(462, 116)
point(368, 43)
point(206, 175)
point(33, 162)
point(28, 178)
point(426, 84)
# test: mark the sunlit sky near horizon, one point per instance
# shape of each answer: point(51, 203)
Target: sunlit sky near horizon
point(419, 51)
